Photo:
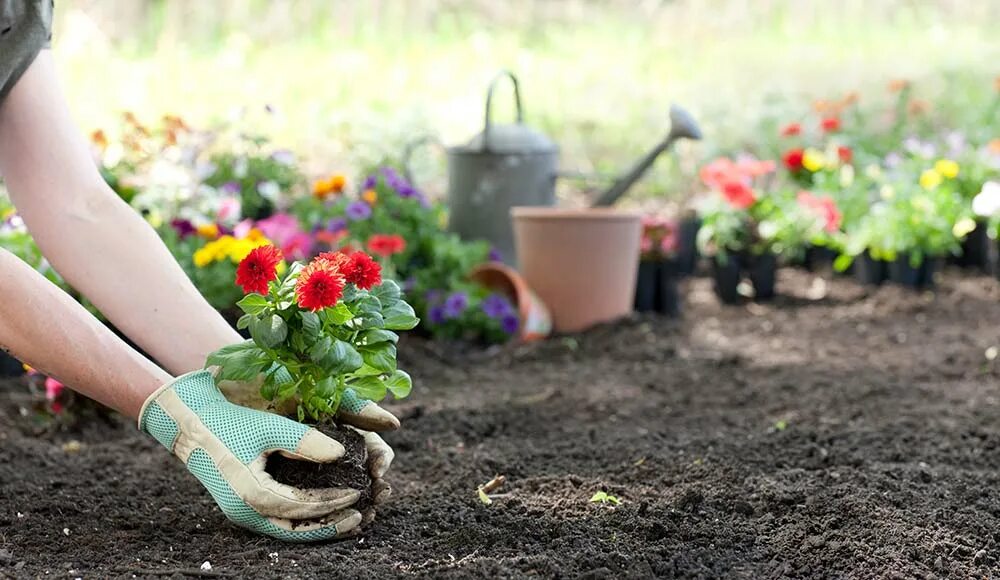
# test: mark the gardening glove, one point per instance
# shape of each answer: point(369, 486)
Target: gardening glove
point(362, 414)
point(226, 447)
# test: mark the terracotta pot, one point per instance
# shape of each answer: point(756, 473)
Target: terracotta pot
point(581, 262)
point(536, 322)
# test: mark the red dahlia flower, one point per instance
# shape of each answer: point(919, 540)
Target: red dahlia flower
point(319, 285)
point(258, 268)
point(362, 271)
point(386, 245)
point(793, 159)
point(830, 124)
point(738, 194)
point(791, 130)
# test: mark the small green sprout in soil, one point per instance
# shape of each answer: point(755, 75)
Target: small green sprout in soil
point(602, 497)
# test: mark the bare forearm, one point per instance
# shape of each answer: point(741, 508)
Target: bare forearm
point(41, 325)
point(92, 238)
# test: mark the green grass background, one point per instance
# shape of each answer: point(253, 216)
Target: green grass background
point(353, 79)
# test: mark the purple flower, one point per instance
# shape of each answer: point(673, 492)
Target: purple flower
point(496, 306)
point(510, 323)
point(409, 284)
point(893, 160)
point(369, 183)
point(284, 157)
point(495, 255)
point(231, 188)
point(390, 173)
point(184, 228)
point(436, 314)
point(455, 304)
point(337, 225)
point(358, 211)
point(433, 296)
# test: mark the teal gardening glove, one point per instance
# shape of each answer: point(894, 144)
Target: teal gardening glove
point(226, 447)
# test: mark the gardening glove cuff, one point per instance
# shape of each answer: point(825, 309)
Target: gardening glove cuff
point(226, 447)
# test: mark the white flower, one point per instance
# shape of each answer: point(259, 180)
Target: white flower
point(269, 190)
point(987, 202)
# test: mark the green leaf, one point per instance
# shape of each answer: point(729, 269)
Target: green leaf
point(371, 320)
point(326, 388)
point(297, 341)
point(310, 324)
point(377, 335)
point(380, 356)
point(339, 314)
point(253, 304)
point(399, 384)
point(400, 316)
point(269, 331)
point(320, 349)
point(483, 497)
point(287, 390)
point(351, 293)
point(242, 361)
point(269, 390)
point(244, 321)
point(341, 359)
point(367, 371)
point(371, 388)
point(387, 292)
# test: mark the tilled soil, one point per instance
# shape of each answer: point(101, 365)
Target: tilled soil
point(837, 432)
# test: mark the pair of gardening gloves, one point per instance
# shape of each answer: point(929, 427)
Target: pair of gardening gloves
point(225, 443)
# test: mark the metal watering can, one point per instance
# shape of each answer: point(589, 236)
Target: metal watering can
point(514, 165)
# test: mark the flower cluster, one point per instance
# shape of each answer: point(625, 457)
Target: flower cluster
point(659, 238)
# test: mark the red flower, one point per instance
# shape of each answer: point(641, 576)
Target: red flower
point(362, 271)
point(386, 245)
point(258, 268)
point(793, 160)
point(791, 130)
point(718, 171)
point(824, 207)
point(319, 285)
point(845, 154)
point(738, 194)
point(830, 124)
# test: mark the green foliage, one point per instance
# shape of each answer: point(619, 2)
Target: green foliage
point(602, 497)
point(350, 344)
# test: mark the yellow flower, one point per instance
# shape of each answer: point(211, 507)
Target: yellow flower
point(254, 235)
point(370, 196)
point(963, 227)
point(947, 168)
point(203, 257)
point(321, 188)
point(930, 179)
point(813, 160)
point(27, 368)
point(208, 231)
point(7, 213)
point(921, 203)
point(337, 183)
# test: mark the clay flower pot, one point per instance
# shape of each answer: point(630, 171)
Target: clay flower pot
point(580, 262)
point(536, 322)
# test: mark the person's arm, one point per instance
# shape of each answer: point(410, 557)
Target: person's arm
point(44, 326)
point(94, 240)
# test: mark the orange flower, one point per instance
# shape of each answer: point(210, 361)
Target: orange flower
point(319, 286)
point(337, 183)
point(994, 146)
point(321, 189)
point(897, 85)
point(370, 196)
point(100, 139)
point(918, 107)
point(850, 98)
point(174, 123)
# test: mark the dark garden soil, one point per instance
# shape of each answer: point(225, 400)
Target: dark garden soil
point(836, 432)
point(350, 471)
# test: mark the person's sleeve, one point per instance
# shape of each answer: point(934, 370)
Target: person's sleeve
point(25, 29)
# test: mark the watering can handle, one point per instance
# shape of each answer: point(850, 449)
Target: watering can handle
point(412, 146)
point(489, 102)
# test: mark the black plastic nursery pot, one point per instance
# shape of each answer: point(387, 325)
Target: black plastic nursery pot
point(977, 250)
point(10, 366)
point(763, 271)
point(902, 272)
point(819, 259)
point(669, 295)
point(657, 287)
point(687, 246)
point(646, 286)
point(869, 271)
point(726, 273)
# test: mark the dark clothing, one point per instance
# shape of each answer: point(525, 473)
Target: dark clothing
point(25, 29)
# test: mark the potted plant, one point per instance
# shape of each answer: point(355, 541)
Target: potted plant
point(741, 225)
point(317, 330)
point(659, 268)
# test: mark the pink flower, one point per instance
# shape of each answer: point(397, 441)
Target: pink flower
point(298, 246)
point(717, 172)
point(823, 207)
point(52, 389)
point(242, 229)
point(229, 209)
point(280, 229)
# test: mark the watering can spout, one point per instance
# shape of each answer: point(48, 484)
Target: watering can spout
point(682, 126)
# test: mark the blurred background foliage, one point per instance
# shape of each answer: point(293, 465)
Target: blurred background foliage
point(352, 80)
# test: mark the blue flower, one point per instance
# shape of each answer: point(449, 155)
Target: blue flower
point(369, 182)
point(496, 306)
point(337, 225)
point(510, 324)
point(495, 255)
point(436, 314)
point(455, 304)
point(358, 211)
